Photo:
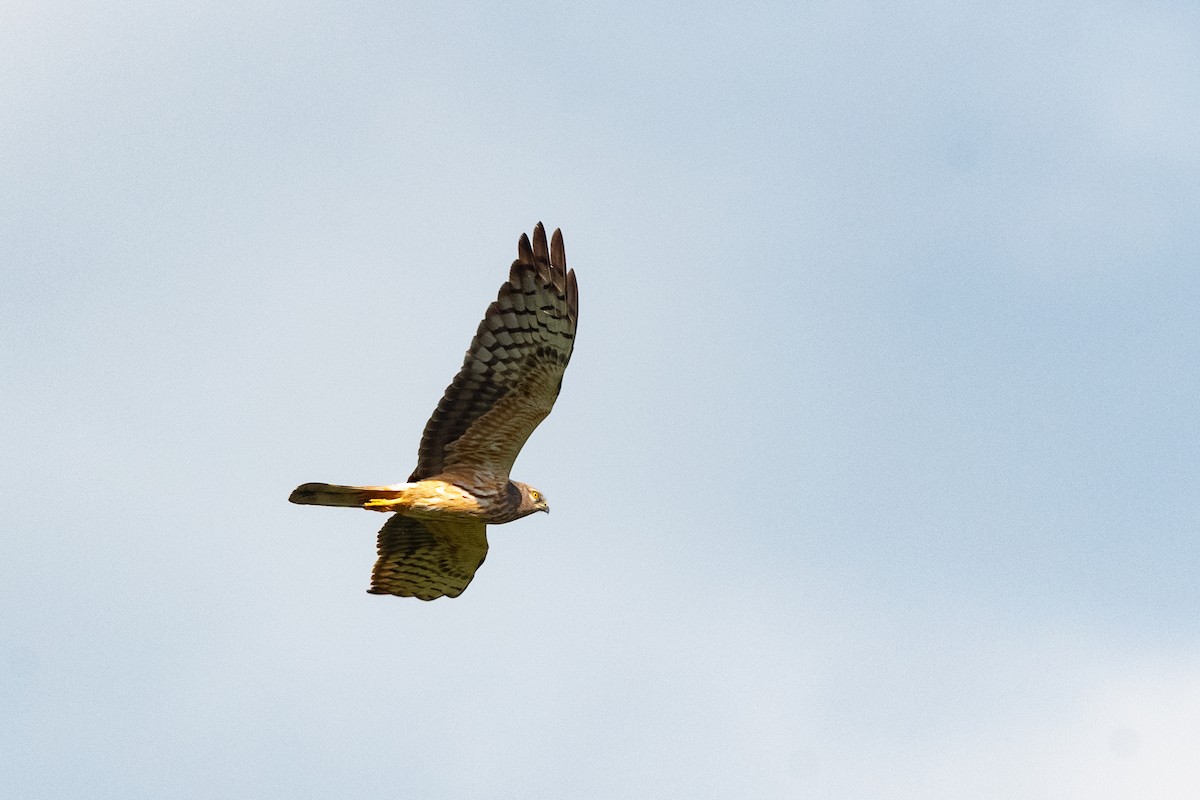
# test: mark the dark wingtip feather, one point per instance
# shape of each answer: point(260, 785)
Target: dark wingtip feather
point(524, 250)
point(541, 252)
point(572, 296)
point(558, 255)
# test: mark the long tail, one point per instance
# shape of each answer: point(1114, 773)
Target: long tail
point(328, 494)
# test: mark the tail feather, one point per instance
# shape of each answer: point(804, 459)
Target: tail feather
point(328, 494)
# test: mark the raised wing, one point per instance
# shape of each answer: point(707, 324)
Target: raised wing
point(427, 558)
point(512, 372)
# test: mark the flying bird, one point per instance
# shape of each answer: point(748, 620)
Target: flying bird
point(437, 536)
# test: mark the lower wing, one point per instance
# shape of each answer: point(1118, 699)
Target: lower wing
point(426, 558)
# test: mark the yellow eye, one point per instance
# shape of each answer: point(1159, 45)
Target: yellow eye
point(534, 494)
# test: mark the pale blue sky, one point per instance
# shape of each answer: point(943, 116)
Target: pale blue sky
point(875, 473)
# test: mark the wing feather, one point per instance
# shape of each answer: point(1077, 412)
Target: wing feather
point(513, 369)
point(427, 558)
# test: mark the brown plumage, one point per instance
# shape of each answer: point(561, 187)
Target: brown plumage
point(508, 383)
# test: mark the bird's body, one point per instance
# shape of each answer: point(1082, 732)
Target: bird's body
point(509, 380)
point(433, 498)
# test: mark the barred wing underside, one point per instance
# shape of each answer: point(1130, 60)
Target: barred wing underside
point(427, 558)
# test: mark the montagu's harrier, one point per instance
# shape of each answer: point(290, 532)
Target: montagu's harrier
point(509, 380)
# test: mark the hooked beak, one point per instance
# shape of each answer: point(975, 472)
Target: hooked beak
point(543, 506)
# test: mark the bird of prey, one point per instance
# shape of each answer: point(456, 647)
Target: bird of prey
point(511, 375)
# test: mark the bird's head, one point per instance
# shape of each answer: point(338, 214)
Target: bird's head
point(531, 500)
